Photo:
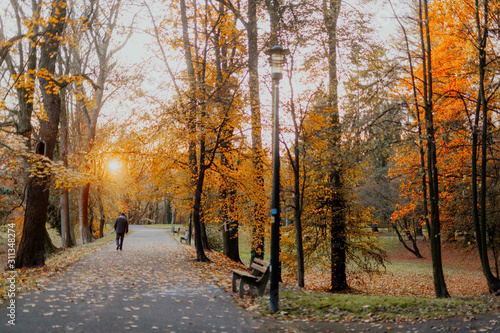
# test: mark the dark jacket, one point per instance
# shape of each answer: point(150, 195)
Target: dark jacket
point(121, 225)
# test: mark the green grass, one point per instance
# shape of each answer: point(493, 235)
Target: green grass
point(416, 267)
point(326, 306)
point(389, 242)
point(245, 246)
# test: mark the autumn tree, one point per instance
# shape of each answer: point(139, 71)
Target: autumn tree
point(225, 41)
point(250, 23)
point(19, 56)
point(480, 138)
point(93, 55)
point(335, 199)
point(204, 108)
point(31, 250)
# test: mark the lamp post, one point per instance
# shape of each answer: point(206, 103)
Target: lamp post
point(276, 58)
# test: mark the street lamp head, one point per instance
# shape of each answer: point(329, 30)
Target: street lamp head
point(276, 59)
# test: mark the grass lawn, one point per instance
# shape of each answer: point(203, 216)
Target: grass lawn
point(366, 303)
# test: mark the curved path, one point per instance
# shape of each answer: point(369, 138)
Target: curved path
point(149, 286)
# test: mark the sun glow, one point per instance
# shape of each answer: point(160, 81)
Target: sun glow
point(114, 165)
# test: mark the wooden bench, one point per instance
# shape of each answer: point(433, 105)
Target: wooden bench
point(176, 231)
point(257, 279)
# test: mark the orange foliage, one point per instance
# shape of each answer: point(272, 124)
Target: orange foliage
point(455, 80)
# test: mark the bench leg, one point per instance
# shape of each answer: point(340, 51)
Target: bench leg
point(242, 288)
point(261, 289)
point(233, 283)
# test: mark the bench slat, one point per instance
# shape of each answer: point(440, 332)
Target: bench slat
point(260, 262)
point(243, 273)
point(259, 268)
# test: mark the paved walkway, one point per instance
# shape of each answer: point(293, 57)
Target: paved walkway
point(149, 286)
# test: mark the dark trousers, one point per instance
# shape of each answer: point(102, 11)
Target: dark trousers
point(119, 240)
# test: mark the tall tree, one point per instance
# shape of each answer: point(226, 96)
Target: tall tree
point(336, 203)
point(100, 22)
point(31, 250)
point(259, 215)
point(225, 49)
point(483, 113)
point(432, 172)
point(196, 182)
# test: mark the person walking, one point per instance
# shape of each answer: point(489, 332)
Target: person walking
point(121, 228)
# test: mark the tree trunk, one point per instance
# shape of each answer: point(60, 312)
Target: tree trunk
point(31, 250)
point(413, 250)
point(65, 222)
point(200, 253)
point(298, 218)
point(338, 241)
point(83, 213)
point(229, 223)
point(480, 219)
point(432, 172)
point(203, 227)
point(258, 228)
point(298, 196)
point(102, 218)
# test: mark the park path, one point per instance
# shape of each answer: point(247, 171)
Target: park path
point(149, 286)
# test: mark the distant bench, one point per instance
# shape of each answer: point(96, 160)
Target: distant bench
point(256, 279)
point(185, 237)
point(176, 231)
